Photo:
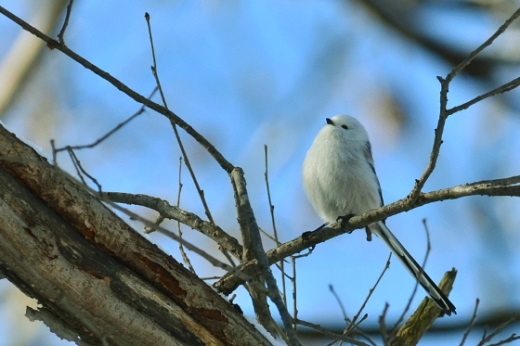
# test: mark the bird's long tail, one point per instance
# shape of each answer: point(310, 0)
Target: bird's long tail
point(413, 267)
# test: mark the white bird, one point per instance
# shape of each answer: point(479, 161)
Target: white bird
point(340, 181)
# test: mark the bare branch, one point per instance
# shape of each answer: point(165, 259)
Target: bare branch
point(498, 330)
point(444, 113)
point(175, 130)
point(328, 333)
point(471, 323)
point(169, 211)
point(499, 187)
point(56, 223)
point(271, 206)
point(53, 44)
point(355, 323)
point(295, 290)
point(61, 34)
point(273, 223)
point(340, 303)
point(483, 46)
point(499, 90)
point(81, 171)
point(104, 137)
point(173, 236)
point(184, 255)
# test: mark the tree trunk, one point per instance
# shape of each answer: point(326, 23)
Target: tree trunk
point(97, 280)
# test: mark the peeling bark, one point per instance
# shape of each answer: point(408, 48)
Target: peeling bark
point(94, 276)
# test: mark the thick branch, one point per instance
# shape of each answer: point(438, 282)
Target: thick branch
point(500, 187)
point(53, 44)
point(112, 262)
point(76, 283)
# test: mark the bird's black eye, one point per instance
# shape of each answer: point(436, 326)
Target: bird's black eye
point(344, 126)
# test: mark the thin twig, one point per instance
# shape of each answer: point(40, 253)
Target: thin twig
point(158, 220)
point(416, 286)
point(268, 235)
point(70, 148)
point(273, 222)
point(346, 319)
point(106, 135)
point(184, 255)
point(61, 34)
point(340, 303)
point(354, 323)
point(330, 334)
point(54, 156)
point(361, 320)
point(510, 339)
point(499, 90)
point(209, 278)
point(175, 130)
point(81, 171)
point(498, 330)
point(53, 44)
point(471, 323)
point(437, 141)
point(483, 46)
point(271, 206)
point(382, 325)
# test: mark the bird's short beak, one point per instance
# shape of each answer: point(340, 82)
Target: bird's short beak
point(330, 122)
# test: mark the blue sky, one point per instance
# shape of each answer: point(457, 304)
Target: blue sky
point(245, 74)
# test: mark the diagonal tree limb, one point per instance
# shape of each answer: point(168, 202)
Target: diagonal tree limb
point(105, 254)
point(53, 44)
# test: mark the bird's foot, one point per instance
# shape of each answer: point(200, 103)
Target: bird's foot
point(344, 220)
